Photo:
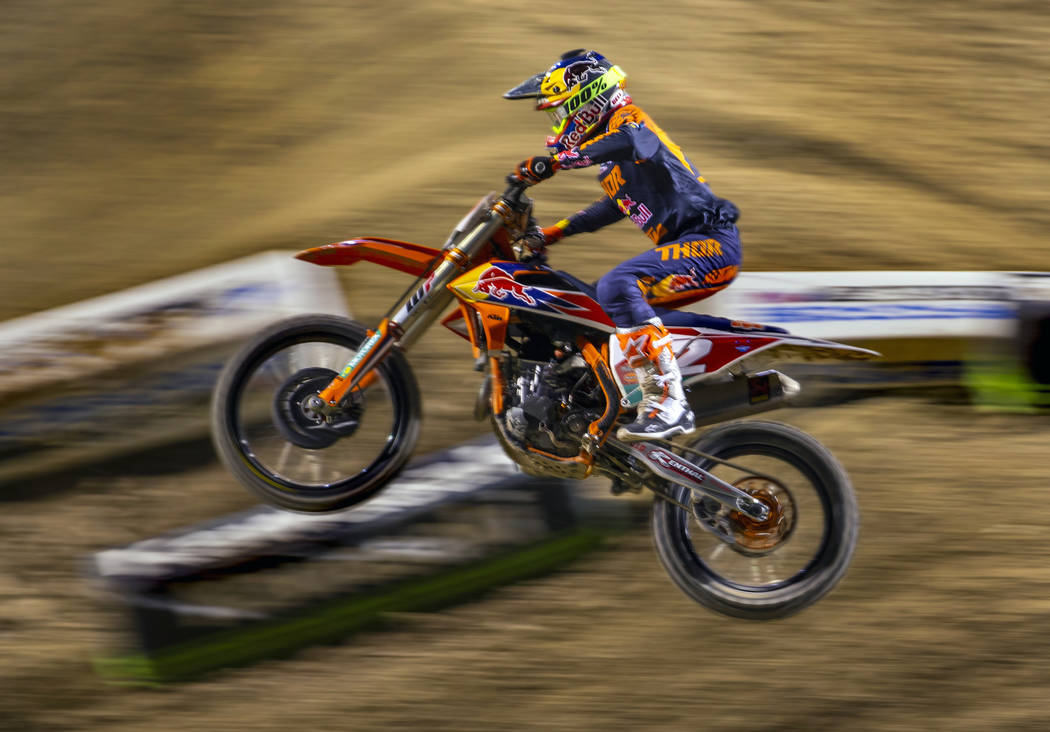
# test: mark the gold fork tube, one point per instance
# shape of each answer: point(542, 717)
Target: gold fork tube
point(420, 308)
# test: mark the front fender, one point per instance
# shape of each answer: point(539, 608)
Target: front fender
point(415, 259)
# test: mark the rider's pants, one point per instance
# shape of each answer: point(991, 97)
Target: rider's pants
point(669, 276)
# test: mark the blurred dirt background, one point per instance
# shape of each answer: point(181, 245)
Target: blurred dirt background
point(139, 140)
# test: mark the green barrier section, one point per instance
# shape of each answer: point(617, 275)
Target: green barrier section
point(1005, 385)
point(338, 619)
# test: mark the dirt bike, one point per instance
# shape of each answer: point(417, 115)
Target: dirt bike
point(752, 519)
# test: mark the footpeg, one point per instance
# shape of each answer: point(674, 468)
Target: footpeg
point(619, 487)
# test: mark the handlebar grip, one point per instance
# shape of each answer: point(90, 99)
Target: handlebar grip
point(516, 184)
point(515, 188)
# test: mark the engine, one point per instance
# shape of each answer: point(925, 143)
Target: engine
point(548, 405)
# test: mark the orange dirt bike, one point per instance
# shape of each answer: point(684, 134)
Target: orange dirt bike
point(753, 519)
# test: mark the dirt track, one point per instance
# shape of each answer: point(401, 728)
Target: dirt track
point(941, 623)
point(144, 139)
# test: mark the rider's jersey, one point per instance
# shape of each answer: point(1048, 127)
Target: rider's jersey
point(647, 178)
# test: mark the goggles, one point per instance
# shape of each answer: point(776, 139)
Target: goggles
point(559, 118)
point(561, 113)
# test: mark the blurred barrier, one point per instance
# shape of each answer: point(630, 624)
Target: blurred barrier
point(135, 369)
point(988, 330)
point(1016, 374)
point(266, 582)
point(874, 306)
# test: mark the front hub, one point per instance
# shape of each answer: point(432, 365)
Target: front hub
point(302, 417)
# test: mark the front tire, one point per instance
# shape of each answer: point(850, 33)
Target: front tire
point(293, 458)
point(769, 571)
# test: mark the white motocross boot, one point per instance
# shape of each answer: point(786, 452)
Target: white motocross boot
point(663, 411)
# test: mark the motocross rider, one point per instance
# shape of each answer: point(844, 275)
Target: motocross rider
point(646, 177)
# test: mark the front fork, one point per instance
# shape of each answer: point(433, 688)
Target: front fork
point(410, 317)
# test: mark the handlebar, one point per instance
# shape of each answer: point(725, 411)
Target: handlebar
point(515, 188)
point(514, 195)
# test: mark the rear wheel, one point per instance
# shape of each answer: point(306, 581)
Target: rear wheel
point(293, 456)
point(735, 565)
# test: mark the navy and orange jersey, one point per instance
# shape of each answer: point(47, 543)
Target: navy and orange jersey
point(647, 178)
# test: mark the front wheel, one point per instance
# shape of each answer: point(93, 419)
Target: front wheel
point(293, 457)
point(741, 567)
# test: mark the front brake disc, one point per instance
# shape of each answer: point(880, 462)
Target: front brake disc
point(304, 427)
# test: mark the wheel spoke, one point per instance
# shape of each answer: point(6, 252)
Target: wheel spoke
point(282, 460)
point(717, 552)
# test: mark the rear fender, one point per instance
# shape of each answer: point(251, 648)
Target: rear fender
point(786, 349)
point(706, 355)
point(415, 259)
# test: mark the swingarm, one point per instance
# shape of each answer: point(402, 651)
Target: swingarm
point(700, 482)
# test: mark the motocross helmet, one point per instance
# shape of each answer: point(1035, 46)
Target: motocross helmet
point(579, 92)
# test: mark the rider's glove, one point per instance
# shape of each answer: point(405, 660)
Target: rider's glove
point(535, 169)
point(534, 240)
point(537, 239)
point(554, 233)
point(571, 158)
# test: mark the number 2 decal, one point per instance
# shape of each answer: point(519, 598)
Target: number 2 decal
point(696, 349)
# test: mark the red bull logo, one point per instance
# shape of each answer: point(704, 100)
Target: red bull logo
point(582, 71)
point(496, 283)
point(680, 283)
point(638, 212)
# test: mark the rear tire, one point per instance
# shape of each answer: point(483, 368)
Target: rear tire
point(815, 565)
point(273, 448)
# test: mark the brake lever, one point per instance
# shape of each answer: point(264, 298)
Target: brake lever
point(537, 258)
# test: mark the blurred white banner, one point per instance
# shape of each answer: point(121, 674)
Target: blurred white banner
point(135, 369)
point(862, 306)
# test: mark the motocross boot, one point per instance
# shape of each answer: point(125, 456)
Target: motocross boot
point(664, 411)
